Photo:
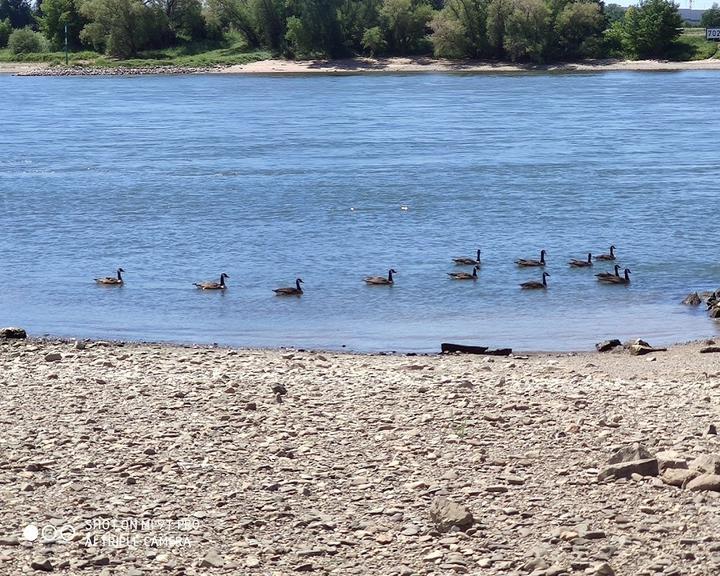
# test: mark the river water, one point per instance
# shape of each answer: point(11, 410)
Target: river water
point(332, 178)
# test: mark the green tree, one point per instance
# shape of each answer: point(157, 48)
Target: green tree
point(123, 27)
point(25, 41)
point(5, 31)
point(578, 28)
point(237, 14)
point(373, 40)
point(498, 13)
point(313, 29)
point(649, 29)
point(460, 29)
point(614, 13)
point(406, 23)
point(527, 28)
point(184, 17)
point(19, 12)
point(55, 15)
point(356, 17)
point(711, 17)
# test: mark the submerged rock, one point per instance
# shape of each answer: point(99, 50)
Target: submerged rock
point(608, 345)
point(13, 333)
point(692, 299)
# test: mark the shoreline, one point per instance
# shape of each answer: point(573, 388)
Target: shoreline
point(285, 461)
point(395, 65)
point(342, 349)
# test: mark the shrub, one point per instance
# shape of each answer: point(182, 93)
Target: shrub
point(25, 41)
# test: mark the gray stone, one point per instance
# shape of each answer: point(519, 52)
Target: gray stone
point(707, 464)
point(446, 514)
point(53, 357)
point(670, 459)
point(212, 560)
point(13, 333)
point(607, 345)
point(692, 299)
point(705, 483)
point(647, 467)
point(42, 564)
point(677, 476)
point(630, 453)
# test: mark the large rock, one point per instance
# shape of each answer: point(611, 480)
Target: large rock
point(647, 467)
point(630, 453)
point(446, 514)
point(640, 348)
point(678, 476)
point(670, 459)
point(706, 464)
point(705, 482)
point(13, 333)
point(607, 345)
point(692, 299)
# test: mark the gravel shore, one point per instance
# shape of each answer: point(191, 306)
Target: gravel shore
point(135, 459)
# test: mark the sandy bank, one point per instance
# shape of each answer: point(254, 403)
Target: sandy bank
point(110, 445)
point(364, 65)
point(399, 65)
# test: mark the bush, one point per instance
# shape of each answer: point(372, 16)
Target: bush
point(25, 41)
point(5, 31)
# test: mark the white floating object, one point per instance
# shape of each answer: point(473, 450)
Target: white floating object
point(404, 207)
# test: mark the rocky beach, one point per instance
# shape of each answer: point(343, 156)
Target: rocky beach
point(132, 459)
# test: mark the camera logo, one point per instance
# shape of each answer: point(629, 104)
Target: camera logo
point(49, 533)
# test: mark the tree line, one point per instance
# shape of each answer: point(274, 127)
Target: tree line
point(516, 30)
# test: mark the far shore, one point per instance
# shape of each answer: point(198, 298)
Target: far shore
point(394, 65)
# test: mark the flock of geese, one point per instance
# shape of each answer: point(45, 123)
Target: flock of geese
point(604, 277)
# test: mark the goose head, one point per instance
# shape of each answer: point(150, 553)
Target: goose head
point(223, 275)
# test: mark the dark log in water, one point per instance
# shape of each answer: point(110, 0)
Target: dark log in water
point(447, 348)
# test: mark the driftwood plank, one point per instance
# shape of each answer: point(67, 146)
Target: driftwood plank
point(448, 348)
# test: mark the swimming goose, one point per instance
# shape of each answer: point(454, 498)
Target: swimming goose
point(610, 256)
point(465, 275)
point(617, 279)
point(581, 263)
point(541, 262)
point(213, 285)
point(465, 261)
point(533, 285)
point(609, 274)
point(381, 280)
point(111, 280)
point(297, 291)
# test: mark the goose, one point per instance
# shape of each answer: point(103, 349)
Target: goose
point(289, 291)
point(610, 256)
point(534, 285)
point(541, 262)
point(617, 279)
point(213, 285)
point(111, 280)
point(381, 280)
point(465, 275)
point(581, 263)
point(465, 261)
point(609, 274)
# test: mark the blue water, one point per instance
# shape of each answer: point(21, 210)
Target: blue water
point(178, 179)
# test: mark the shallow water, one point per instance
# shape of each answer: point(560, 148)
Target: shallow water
point(177, 179)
